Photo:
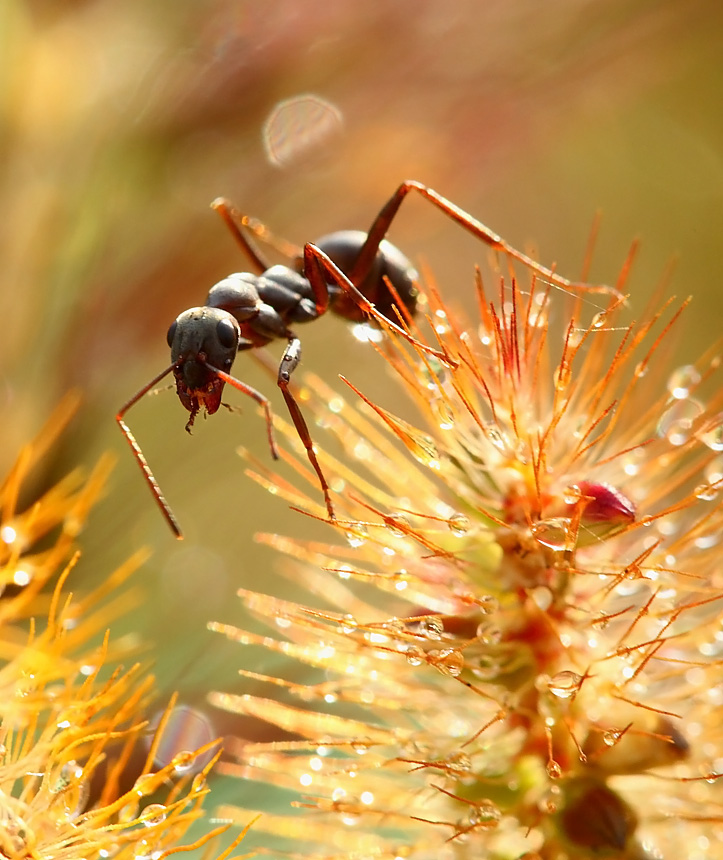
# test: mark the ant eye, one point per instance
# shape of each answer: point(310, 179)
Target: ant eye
point(226, 332)
point(171, 333)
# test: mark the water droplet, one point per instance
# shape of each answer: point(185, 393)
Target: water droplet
point(489, 633)
point(360, 747)
point(564, 684)
point(714, 471)
point(676, 422)
point(495, 436)
point(415, 655)
point(611, 737)
point(444, 414)
point(542, 597)
point(146, 783)
point(356, 535)
point(553, 533)
point(550, 800)
point(641, 369)
point(485, 813)
point(599, 320)
point(8, 534)
point(449, 662)
point(397, 524)
point(459, 762)
point(706, 493)
point(154, 814)
point(712, 433)
point(419, 444)
point(458, 524)
point(431, 627)
point(488, 604)
point(682, 380)
point(554, 771)
point(561, 376)
point(183, 761)
point(348, 624)
point(572, 494)
point(22, 577)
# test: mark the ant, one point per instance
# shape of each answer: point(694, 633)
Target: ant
point(351, 273)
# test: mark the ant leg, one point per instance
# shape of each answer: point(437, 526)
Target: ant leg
point(381, 224)
point(235, 221)
point(258, 397)
point(316, 263)
point(289, 362)
point(141, 460)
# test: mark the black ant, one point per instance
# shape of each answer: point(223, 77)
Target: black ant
point(351, 273)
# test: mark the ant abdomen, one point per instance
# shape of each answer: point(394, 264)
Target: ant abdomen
point(343, 248)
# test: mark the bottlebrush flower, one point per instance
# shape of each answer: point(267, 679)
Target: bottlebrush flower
point(517, 650)
point(71, 723)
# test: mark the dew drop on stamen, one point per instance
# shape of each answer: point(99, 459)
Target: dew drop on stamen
point(564, 685)
point(458, 524)
point(444, 415)
point(494, 435)
point(553, 533)
point(714, 471)
point(397, 524)
point(489, 633)
point(554, 771)
point(611, 737)
point(599, 320)
point(415, 655)
point(549, 803)
point(488, 604)
point(8, 534)
point(641, 370)
point(712, 433)
point(485, 813)
point(706, 493)
point(348, 624)
point(542, 597)
point(682, 380)
point(449, 661)
point(572, 494)
point(677, 421)
point(431, 627)
point(154, 814)
point(357, 535)
point(459, 762)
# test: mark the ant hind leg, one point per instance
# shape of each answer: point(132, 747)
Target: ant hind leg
point(317, 263)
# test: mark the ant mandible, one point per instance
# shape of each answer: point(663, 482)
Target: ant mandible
point(351, 273)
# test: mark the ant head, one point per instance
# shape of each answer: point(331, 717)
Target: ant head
point(200, 337)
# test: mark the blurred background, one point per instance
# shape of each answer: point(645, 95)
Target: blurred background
point(121, 122)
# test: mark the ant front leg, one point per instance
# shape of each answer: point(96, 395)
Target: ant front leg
point(317, 264)
point(138, 453)
point(289, 362)
point(388, 212)
point(254, 395)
